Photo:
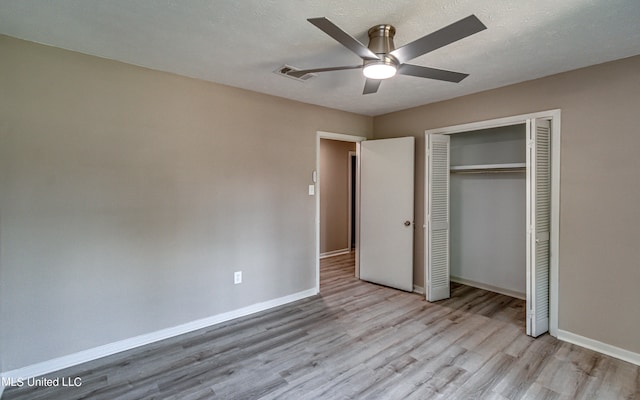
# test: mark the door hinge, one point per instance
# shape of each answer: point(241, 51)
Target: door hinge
point(531, 143)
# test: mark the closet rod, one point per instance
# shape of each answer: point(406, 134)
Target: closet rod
point(488, 171)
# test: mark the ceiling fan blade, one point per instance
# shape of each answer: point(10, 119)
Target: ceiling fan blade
point(343, 38)
point(371, 86)
point(431, 73)
point(302, 72)
point(447, 35)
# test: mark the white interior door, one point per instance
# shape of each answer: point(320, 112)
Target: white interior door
point(538, 225)
point(386, 212)
point(437, 217)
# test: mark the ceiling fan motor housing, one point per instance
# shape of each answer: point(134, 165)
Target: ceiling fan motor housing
point(381, 43)
point(381, 38)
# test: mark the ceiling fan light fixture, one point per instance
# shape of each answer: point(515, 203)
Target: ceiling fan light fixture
point(379, 70)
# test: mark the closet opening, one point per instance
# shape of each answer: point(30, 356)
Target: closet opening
point(491, 211)
point(488, 209)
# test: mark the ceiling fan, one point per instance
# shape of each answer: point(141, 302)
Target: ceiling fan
point(381, 60)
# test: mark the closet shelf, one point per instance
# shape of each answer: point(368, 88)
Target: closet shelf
point(488, 168)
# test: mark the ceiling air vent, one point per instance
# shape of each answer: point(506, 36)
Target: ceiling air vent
point(286, 69)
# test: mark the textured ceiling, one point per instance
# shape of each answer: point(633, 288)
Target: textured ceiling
point(240, 42)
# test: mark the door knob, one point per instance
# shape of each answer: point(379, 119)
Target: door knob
point(407, 223)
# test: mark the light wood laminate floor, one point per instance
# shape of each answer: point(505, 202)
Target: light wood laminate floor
point(358, 341)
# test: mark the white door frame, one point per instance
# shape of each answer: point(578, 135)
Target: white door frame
point(554, 117)
point(344, 138)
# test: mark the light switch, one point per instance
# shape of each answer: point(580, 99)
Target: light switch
point(312, 190)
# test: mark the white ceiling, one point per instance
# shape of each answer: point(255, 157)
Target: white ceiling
point(241, 42)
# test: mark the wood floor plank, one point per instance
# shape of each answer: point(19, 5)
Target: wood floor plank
point(357, 340)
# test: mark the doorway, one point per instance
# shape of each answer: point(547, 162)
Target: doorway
point(384, 198)
point(352, 195)
point(336, 192)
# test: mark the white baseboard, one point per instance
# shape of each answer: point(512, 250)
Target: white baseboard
point(418, 289)
point(604, 348)
point(70, 360)
point(491, 288)
point(335, 253)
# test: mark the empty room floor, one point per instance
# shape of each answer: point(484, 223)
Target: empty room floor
point(358, 340)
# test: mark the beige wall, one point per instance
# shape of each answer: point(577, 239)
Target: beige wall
point(128, 197)
point(599, 213)
point(334, 194)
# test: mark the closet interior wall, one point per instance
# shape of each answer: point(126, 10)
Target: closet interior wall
point(488, 210)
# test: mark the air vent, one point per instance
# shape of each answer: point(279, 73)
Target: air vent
point(286, 69)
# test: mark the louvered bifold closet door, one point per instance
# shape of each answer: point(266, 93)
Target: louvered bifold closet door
point(538, 225)
point(437, 217)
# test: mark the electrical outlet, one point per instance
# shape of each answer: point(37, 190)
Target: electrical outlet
point(237, 277)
